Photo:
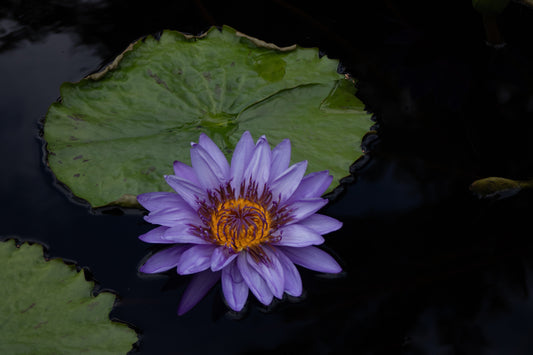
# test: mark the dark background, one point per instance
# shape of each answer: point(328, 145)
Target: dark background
point(429, 267)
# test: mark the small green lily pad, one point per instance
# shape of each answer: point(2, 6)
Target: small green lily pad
point(116, 133)
point(47, 308)
point(499, 187)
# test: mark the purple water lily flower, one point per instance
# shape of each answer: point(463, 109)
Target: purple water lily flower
point(246, 224)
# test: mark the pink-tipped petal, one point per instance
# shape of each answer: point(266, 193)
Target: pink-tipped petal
point(312, 185)
point(234, 287)
point(281, 157)
point(221, 257)
point(164, 260)
point(312, 258)
point(293, 281)
point(270, 270)
point(240, 159)
point(253, 280)
point(296, 235)
point(285, 185)
point(186, 172)
point(321, 224)
point(197, 289)
point(197, 258)
point(188, 191)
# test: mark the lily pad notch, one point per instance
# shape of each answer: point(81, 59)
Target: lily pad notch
point(48, 307)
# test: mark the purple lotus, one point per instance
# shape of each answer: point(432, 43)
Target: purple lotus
point(245, 224)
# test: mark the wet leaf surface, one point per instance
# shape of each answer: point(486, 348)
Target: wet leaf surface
point(117, 132)
point(48, 308)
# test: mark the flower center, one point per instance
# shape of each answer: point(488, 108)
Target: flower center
point(241, 221)
point(240, 224)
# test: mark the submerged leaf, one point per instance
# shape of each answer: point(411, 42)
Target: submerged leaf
point(47, 308)
point(116, 133)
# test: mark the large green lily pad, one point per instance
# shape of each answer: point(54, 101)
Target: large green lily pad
point(47, 308)
point(116, 133)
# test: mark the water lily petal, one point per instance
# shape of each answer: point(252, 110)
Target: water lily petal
point(209, 173)
point(164, 260)
point(270, 270)
point(293, 281)
point(156, 235)
point(234, 287)
point(281, 157)
point(285, 185)
point(200, 284)
point(214, 151)
point(304, 208)
point(253, 280)
point(258, 168)
point(190, 192)
point(197, 258)
point(321, 224)
point(312, 185)
point(186, 172)
point(312, 258)
point(240, 159)
point(182, 234)
point(221, 258)
point(296, 235)
point(154, 201)
point(173, 217)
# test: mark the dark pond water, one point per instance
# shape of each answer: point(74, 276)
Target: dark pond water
point(429, 268)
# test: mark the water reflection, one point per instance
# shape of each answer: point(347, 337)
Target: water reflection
point(429, 268)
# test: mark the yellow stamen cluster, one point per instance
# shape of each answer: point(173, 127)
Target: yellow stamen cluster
point(242, 221)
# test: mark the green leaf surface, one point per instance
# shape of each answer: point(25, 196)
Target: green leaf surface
point(499, 187)
point(116, 133)
point(47, 308)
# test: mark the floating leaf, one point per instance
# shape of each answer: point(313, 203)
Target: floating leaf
point(499, 187)
point(47, 308)
point(490, 7)
point(116, 133)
